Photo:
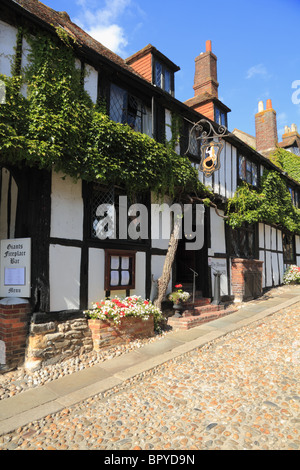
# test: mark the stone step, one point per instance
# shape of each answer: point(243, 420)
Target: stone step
point(187, 321)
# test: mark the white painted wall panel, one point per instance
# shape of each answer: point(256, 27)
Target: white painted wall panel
point(261, 236)
point(218, 244)
point(140, 275)
point(64, 277)
point(267, 237)
point(96, 290)
point(281, 266)
point(221, 172)
point(273, 238)
point(66, 208)
point(91, 82)
point(275, 269)
point(262, 258)
point(234, 170)
point(297, 239)
point(228, 170)
point(268, 262)
point(8, 41)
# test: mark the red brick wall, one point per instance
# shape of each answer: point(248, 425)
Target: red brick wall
point(205, 79)
point(14, 321)
point(246, 275)
point(106, 334)
point(144, 67)
point(266, 131)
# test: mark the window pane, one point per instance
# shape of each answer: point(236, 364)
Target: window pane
point(242, 167)
point(167, 81)
point(118, 104)
point(158, 74)
point(254, 174)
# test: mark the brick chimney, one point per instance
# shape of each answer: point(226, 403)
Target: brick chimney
point(205, 100)
point(205, 80)
point(266, 128)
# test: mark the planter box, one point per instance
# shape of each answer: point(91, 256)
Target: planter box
point(106, 334)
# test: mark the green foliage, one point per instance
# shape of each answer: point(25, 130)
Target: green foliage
point(58, 127)
point(272, 204)
point(288, 162)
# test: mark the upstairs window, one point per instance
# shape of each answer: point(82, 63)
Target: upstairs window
point(162, 77)
point(248, 171)
point(220, 117)
point(127, 109)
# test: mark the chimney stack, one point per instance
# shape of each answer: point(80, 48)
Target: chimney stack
point(206, 73)
point(266, 128)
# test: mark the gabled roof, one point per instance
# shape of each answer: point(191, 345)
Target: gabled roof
point(56, 19)
point(149, 49)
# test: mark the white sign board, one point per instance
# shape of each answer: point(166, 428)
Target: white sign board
point(218, 265)
point(15, 267)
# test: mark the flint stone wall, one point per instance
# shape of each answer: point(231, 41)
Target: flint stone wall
point(56, 337)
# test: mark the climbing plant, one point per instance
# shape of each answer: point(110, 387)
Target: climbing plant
point(56, 126)
point(271, 204)
point(287, 161)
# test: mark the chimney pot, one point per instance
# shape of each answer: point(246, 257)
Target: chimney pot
point(269, 104)
point(260, 106)
point(286, 129)
point(208, 46)
point(293, 128)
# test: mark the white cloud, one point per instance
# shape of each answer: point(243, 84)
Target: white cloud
point(103, 24)
point(257, 70)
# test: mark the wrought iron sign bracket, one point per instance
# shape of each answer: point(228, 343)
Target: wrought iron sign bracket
point(211, 145)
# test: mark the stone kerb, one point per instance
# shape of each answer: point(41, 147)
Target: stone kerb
point(14, 321)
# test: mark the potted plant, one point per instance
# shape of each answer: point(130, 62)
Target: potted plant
point(178, 297)
point(292, 275)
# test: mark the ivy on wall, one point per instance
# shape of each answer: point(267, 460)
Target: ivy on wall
point(271, 204)
point(56, 126)
point(288, 162)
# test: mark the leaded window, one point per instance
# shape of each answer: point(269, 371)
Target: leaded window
point(248, 171)
point(162, 77)
point(127, 109)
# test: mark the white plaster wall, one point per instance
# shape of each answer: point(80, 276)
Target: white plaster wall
point(91, 82)
point(64, 277)
point(234, 170)
point(158, 220)
point(297, 243)
point(268, 262)
point(66, 208)
point(217, 227)
point(96, 290)
point(262, 258)
point(8, 41)
point(25, 63)
point(157, 264)
point(140, 275)
point(228, 169)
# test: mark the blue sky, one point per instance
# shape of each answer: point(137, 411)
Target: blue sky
point(257, 45)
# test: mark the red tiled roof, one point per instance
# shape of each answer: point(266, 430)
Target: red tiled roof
point(55, 19)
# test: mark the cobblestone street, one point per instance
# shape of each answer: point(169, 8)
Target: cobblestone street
point(238, 392)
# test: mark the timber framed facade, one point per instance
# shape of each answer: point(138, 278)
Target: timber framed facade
point(70, 265)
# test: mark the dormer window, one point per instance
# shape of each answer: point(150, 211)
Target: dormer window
point(162, 77)
point(220, 117)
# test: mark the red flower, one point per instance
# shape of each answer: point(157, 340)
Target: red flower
point(178, 286)
point(146, 302)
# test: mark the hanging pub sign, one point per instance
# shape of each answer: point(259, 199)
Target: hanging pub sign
point(15, 268)
point(211, 145)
